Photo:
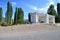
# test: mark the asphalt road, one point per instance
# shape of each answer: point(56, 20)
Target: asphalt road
point(48, 35)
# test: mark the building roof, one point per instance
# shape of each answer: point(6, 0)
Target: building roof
point(41, 14)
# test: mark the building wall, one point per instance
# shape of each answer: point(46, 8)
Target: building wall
point(42, 18)
point(34, 18)
point(51, 19)
point(37, 21)
point(47, 19)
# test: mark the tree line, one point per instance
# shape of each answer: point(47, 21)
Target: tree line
point(51, 11)
point(18, 16)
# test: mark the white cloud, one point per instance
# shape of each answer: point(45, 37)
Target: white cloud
point(52, 2)
point(49, 3)
point(35, 8)
point(45, 8)
point(13, 3)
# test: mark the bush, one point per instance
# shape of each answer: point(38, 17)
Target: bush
point(4, 24)
point(57, 19)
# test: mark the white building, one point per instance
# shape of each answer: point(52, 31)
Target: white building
point(42, 18)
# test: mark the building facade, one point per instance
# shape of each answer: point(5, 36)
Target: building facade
point(42, 18)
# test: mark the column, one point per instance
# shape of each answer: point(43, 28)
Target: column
point(47, 19)
point(53, 20)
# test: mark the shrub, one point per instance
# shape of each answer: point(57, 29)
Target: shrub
point(57, 19)
point(4, 24)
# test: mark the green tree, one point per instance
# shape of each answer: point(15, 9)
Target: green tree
point(20, 16)
point(57, 19)
point(15, 16)
point(9, 13)
point(51, 10)
point(29, 18)
point(58, 8)
point(58, 12)
point(0, 15)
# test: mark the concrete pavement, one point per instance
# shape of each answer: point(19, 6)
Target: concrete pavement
point(47, 35)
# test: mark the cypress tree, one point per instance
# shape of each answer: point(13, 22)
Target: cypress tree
point(9, 13)
point(20, 16)
point(29, 18)
point(58, 8)
point(0, 15)
point(15, 16)
point(58, 12)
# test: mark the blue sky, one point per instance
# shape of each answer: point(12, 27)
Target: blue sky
point(29, 6)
